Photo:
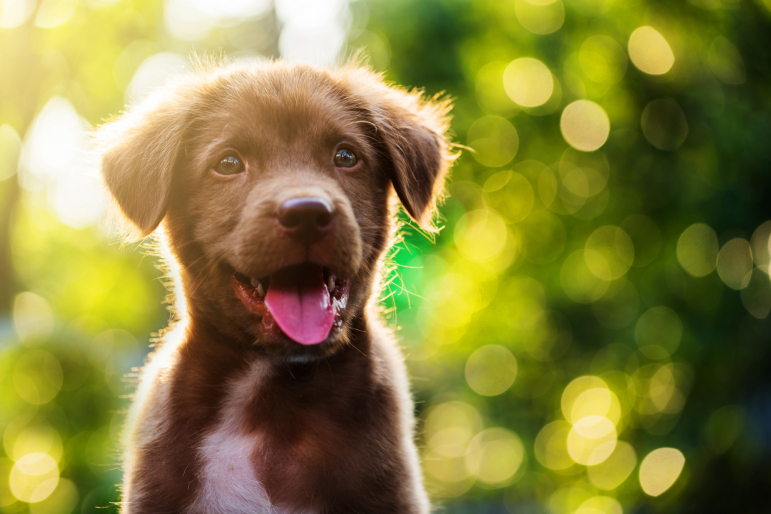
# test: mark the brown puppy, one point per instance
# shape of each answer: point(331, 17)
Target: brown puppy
point(279, 390)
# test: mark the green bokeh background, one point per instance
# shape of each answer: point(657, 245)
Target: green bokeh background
point(518, 264)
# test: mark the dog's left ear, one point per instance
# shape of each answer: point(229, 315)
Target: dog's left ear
point(137, 154)
point(413, 132)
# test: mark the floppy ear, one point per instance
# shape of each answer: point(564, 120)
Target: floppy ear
point(412, 130)
point(137, 155)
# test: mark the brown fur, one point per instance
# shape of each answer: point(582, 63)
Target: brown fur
point(333, 421)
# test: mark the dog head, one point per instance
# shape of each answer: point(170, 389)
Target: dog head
point(273, 185)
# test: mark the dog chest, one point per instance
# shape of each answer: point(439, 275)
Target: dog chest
point(228, 480)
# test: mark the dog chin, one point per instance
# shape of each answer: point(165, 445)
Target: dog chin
point(287, 350)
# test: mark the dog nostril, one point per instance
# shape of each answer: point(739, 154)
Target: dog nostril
point(306, 219)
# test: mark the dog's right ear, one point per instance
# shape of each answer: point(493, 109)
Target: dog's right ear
point(413, 131)
point(137, 154)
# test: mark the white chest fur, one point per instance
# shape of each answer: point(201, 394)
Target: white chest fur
point(228, 483)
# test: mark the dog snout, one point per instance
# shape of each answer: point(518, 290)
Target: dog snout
point(305, 219)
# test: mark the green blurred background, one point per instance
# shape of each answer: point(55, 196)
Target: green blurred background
point(587, 334)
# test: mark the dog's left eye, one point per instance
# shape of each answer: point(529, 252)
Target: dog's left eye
point(230, 165)
point(345, 158)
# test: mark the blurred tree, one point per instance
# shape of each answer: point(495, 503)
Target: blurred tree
point(589, 331)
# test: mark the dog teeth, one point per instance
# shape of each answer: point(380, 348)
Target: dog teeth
point(331, 282)
point(258, 286)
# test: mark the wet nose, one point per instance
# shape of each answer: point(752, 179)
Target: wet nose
point(307, 219)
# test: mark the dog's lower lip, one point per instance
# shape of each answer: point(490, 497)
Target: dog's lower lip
point(248, 295)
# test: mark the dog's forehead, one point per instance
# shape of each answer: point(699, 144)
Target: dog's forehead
point(284, 104)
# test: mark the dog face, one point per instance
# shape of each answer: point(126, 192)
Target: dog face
point(273, 183)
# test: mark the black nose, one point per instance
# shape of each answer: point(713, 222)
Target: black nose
point(305, 219)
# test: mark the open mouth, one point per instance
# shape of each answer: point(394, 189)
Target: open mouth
point(304, 301)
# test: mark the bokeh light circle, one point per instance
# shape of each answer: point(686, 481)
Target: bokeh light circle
point(544, 237)
point(528, 82)
point(480, 235)
point(584, 125)
point(658, 332)
point(491, 370)
point(726, 62)
point(494, 140)
point(660, 469)
point(650, 51)
point(600, 505)
point(38, 439)
point(734, 263)
point(697, 250)
point(599, 401)
point(490, 92)
point(602, 59)
point(756, 297)
point(575, 389)
point(579, 283)
point(449, 428)
point(664, 124)
point(37, 377)
point(461, 419)
point(591, 440)
point(495, 455)
point(33, 317)
point(551, 446)
point(609, 252)
point(612, 472)
point(510, 194)
point(34, 477)
point(540, 17)
point(62, 500)
point(761, 246)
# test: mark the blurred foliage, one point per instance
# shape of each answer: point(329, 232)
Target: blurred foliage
point(587, 334)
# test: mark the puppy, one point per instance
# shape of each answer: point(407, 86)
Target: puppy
point(279, 391)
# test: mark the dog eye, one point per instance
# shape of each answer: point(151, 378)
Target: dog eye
point(345, 158)
point(230, 165)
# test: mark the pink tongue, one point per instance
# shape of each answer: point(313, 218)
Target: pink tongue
point(298, 299)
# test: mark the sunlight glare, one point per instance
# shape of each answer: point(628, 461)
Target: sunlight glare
point(314, 31)
point(56, 155)
point(15, 12)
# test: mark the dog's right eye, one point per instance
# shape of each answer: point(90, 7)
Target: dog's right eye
point(345, 158)
point(230, 165)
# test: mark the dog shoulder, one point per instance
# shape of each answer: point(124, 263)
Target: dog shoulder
point(392, 370)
